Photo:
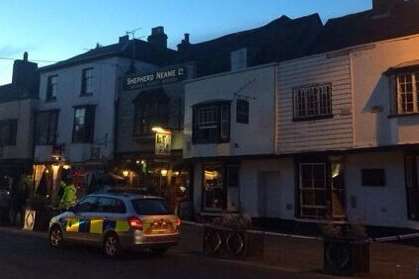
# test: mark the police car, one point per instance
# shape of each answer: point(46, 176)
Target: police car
point(117, 222)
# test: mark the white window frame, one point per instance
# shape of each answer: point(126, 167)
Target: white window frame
point(312, 101)
point(400, 94)
point(301, 190)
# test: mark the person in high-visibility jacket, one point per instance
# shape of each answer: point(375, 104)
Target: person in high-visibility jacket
point(69, 193)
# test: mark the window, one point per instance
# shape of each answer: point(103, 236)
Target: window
point(87, 82)
point(83, 127)
point(89, 204)
point(52, 88)
point(211, 123)
point(150, 207)
point(151, 109)
point(46, 127)
point(8, 132)
point(109, 205)
point(312, 102)
point(313, 190)
point(412, 185)
point(242, 111)
point(407, 93)
point(221, 189)
point(373, 177)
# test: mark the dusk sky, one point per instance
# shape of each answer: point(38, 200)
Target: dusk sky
point(56, 30)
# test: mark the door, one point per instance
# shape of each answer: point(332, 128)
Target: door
point(269, 195)
point(412, 186)
point(77, 222)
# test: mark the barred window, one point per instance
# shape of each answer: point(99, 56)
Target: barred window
point(407, 93)
point(312, 101)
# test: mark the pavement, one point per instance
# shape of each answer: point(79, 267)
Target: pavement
point(27, 255)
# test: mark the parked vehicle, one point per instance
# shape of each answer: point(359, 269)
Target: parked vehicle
point(117, 222)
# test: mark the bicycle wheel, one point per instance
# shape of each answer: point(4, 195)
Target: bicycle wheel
point(235, 244)
point(212, 242)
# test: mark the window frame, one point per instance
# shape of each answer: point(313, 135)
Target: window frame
point(50, 130)
point(323, 100)
point(51, 94)
point(149, 112)
point(225, 171)
point(215, 131)
point(12, 126)
point(398, 93)
point(85, 81)
point(242, 111)
point(89, 109)
point(301, 189)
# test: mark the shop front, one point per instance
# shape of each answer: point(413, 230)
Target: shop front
point(150, 136)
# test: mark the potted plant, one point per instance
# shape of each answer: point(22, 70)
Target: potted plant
point(346, 249)
point(227, 236)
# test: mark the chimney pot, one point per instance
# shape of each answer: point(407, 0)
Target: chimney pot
point(25, 56)
point(187, 35)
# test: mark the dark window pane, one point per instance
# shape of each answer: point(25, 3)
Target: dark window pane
point(373, 177)
point(150, 207)
point(83, 128)
point(242, 111)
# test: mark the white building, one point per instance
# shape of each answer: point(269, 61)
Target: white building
point(345, 128)
point(76, 117)
point(224, 114)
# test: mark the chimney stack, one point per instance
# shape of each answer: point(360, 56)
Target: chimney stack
point(384, 6)
point(158, 38)
point(25, 74)
point(184, 43)
point(123, 39)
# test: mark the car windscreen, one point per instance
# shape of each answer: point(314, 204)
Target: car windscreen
point(150, 207)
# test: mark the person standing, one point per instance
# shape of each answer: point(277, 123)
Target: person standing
point(69, 193)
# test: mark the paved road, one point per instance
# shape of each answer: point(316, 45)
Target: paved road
point(24, 255)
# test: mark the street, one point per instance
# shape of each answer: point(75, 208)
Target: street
point(27, 255)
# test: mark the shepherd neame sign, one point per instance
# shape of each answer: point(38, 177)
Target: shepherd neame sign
point(173, 74)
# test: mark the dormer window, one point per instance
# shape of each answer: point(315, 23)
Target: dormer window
point(407, 92)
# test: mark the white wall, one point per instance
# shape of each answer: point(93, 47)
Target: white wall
point(380, 206)
point(23, 112)
point(322, 134)
point(106, 73)
point(279, 196)
point(372, 88)
point(257, 137)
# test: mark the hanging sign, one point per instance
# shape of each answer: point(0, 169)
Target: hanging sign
point(159, 77)
point(163, 143)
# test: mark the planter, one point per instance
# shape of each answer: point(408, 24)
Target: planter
point(231, 243)
point(345, 257)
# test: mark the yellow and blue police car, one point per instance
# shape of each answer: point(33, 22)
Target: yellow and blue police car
point(117, 222)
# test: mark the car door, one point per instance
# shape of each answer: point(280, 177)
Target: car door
point(77, 221)
point(109, 212)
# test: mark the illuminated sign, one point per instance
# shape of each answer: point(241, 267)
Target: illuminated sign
point(167, 75)
point(163, 143)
